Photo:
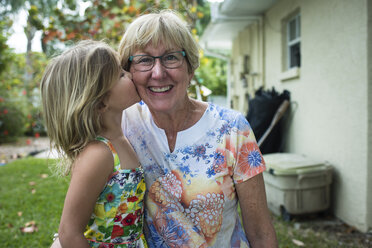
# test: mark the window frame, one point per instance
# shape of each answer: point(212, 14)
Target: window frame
point(297, 40)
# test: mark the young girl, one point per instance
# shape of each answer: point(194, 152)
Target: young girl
point(84, 92)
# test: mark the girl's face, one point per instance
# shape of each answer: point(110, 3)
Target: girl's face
point(162, 89)
point(123, 94)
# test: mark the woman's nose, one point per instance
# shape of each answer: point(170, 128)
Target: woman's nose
point(158, 69)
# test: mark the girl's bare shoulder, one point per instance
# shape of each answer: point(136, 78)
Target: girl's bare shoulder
point(97, 157)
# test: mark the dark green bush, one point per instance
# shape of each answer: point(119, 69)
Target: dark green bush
point(11, 122)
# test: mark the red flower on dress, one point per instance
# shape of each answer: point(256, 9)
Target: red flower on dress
point(117, 231)
point(132, 199)
point(102, 245)
point(129, 220)
point(117, 218)
point(110, 197)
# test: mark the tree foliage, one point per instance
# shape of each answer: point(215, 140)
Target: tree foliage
point(20, 103)
point(6, 53)
point(212, 73)
point(62, 23)
point(108, 19)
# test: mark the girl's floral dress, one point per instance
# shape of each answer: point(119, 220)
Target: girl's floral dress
point(117, 219)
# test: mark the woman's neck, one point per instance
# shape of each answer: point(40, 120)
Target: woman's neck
point(175, 119)
point(179, 120)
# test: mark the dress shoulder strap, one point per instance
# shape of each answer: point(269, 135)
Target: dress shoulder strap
point(107, 142)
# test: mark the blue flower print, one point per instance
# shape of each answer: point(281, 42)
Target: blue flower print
point(170, 157)
point(241, 123)
point(111, 196)
point(254, 158)
point(198, 151)
point(155, 241)
point(155, 169)
point(185, 169)
point(210, 171)
point(224, 114)
point(225, 129)
point(172, 233)
point(219, 158)
point(211, 133)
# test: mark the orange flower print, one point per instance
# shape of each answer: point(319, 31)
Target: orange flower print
point(249, 159)
point(123, 208)
point(206, 212)
point(227, 187)
point(163, 187)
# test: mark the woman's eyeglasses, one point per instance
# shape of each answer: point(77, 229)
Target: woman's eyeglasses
point(146, 62)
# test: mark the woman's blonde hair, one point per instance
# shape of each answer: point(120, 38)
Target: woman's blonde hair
point(165, 27)
point(72, 89)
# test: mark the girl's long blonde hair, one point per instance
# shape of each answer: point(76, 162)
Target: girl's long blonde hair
point(72, 89)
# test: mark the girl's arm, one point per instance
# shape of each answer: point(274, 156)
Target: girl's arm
point(89, 175)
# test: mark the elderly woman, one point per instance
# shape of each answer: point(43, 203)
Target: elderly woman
point(200, 160)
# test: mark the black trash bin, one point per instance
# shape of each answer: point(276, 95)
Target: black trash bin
point(261, 111)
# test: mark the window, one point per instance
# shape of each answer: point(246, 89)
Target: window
point(294, 42)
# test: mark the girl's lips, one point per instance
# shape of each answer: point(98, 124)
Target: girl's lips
point(160, 89)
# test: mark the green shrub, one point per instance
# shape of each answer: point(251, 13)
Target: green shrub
point(34, 125)
point(11, 123)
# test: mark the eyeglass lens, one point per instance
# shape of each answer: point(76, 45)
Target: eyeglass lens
point(146, 62)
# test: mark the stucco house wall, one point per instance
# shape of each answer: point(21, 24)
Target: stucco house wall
point(331, 98)
point(247, 51)
point(369, 136)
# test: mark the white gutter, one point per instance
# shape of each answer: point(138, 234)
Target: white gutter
point(216, 17)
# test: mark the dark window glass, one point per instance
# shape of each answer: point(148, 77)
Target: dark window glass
point(295, 60)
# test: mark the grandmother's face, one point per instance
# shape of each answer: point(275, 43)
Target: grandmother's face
point(162, 89)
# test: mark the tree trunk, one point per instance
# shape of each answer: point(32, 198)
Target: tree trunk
point(30, 33)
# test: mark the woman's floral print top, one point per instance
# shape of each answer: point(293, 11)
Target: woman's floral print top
point(191, 199)
point(117, 219)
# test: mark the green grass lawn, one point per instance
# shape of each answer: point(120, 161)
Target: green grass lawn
point(23, 188)
point(27, 195)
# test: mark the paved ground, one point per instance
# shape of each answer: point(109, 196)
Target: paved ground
point(39, 147)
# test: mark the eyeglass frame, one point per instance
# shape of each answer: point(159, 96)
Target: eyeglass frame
point(158, 57)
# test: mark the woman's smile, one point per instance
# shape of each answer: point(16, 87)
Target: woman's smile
point(160, 89)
